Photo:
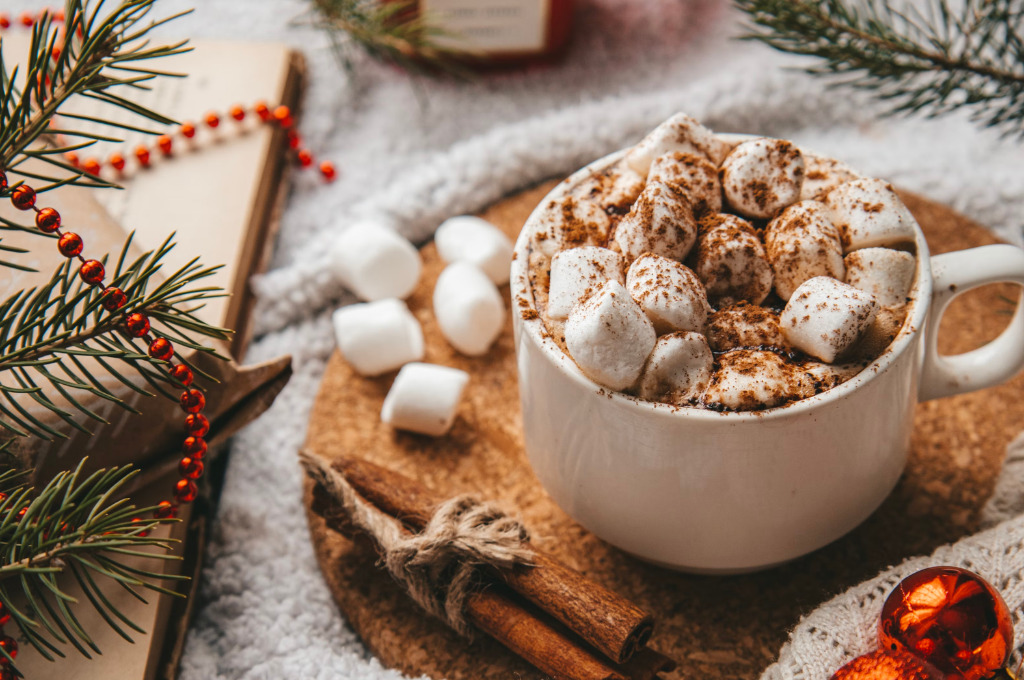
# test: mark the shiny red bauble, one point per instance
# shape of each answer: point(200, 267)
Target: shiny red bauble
point(192, 401)
point(190, 468)
point(951, 618)
point(197, 425)
point(23, 197)
point(92, 272)
point(137, 324)
point(185, 491)
point(70, 244)
point(48, 220)
point(162, 349)
point(194, 447)
point(113, 299)
point(182, 373)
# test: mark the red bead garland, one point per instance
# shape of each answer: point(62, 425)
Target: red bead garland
point(69, 244)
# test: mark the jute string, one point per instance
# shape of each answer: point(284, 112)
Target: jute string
point(438, 566)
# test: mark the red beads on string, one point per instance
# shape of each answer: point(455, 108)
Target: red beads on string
point(194, 446)
point(69, 244)
point(9, 645)
point(196, 424)
point(92, 272)
point(283, 116)
point(165, 510)
point(327, 171)
point(142, 155)
point(212, 120)
point(192, 401)
point(91, 166)
point(48, 220)
point(23, 197)
point(116, 161)
point(185, 490)
point(188, 130)
point(237, 112)
point(305, 157)
point(182, 373)
point(951, 618)
point(164, 142)
point(190, 468)
point(262, 111)
point(162, 349)
point(113, 299)
point(5, 614)
point(137, 324)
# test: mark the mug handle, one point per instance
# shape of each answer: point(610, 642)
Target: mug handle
point(996, 362)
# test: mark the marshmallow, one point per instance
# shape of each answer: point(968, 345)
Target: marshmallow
point(576, 273)
point(572, 221)
point(749, 380)
point(661, 222)
point(887, 274)
point(377, 337)
point(803, 243)
point(879, 335)
point(679, 368)
point(763, 176)
point(744, 326)
point(869, 213)
point(694, 174)
point(678, 133)
point(822, 175)
point(826, 317)
point(424, 398)
point(610, 337)
point(375, 262)
point(618, 187)
point(670, 294)
point(731, 261)
point(477, 241)
point(468, 308)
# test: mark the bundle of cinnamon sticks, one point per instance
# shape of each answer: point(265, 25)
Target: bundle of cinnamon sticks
point(565, 625)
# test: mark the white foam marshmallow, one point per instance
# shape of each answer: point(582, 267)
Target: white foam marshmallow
point(825, 317)
point(661, 222)
point(377, 337)
point(670, 294)
point(744, 326)
point(822, 175)
point(869, 214)
point(471, 239)
point(424, 398)
point(803, 243)
point(468, 308)
point(577, 272)
point(762, 176)
point(748, 379)
point(678, 133)
point(610, 337)
point(679, 367)
point(731, 262)
point(885, 273)
point(375, 262)
point(694, 174)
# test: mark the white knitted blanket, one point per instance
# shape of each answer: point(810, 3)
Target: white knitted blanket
point(419, 152)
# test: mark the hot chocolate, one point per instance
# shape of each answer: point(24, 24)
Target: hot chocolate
point(705, 273)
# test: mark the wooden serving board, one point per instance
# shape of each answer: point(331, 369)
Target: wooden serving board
point(715, 627)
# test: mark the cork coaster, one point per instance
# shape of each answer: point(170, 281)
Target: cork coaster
point(715, 627)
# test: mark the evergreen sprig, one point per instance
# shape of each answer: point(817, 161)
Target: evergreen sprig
point(933, 60)
point(59, 339)
point(76, 524)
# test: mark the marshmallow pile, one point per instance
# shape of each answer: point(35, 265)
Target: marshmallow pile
point(702, 272)
point(381, 334)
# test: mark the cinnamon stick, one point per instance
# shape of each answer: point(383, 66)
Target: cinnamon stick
point(520, 630)
point(612, 624)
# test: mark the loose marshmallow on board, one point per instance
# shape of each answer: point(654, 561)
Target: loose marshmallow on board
point(694, 174)
point(375, 262)
point(660, 222)
point(825, 317)
point(731, 262)
point(670, 294)
point(678, 133)
point(610, 337)
point(471, 239)
point(762, 176)
point(678, 368)
point(885, 273)
point(377, 337)
point(424, 398)
point(803, 243)
point(743, 325)
point(577, 272)
point(468, 308)
point(869, 214)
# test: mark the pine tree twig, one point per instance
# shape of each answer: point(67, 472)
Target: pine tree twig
point(945, 57)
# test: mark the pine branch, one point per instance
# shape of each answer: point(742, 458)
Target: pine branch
point(49, 337)
point(75, 524)
point(944, 58)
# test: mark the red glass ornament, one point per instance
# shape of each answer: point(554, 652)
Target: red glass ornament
point(116, 161)
point(91, 166)
point(26, 19)
point(305, 158)
point(48, 220)
point(72, 158)
point(69, 244)
point(950, 617)
point(328, 171)
point(21, 513)
point(293, 139)
point(185, 491)
point(137, 324)
point(5, 614)
point(182, 374)
point(192, 401)
point(92, 272)
point(3, 180)
point(888, 665)
point(136, 520)
point(197, 424)
point(142, 155)
point(237, 112)
point(114, 299)
point(188, 130)
point(283, 115)
point(5, 20)
point(23, 197)
point(262, 110)
point(195, 447)
point(190, 468)
point(9, 645)
point(212, 120)
point(165, 510)
point(162, 349)
point(164, 142)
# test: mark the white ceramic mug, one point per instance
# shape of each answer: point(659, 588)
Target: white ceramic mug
point(699, 490)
